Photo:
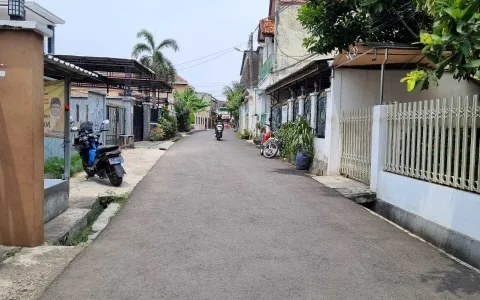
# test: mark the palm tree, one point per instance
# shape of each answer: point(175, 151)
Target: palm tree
point(151, 56)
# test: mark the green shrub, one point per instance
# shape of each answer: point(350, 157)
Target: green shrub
point(297, 136)
point(157, 133)
point(245, 135)
point(54, 167)
point(168, 124)
point(168, 127)
point(183, 116)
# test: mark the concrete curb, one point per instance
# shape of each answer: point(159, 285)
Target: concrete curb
point(101, 223)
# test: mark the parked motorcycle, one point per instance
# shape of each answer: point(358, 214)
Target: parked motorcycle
point(104, 161)
point(272, 147)
point(269, 145)
point(219, 126)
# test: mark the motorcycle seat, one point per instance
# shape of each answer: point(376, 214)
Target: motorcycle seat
point(108, 148)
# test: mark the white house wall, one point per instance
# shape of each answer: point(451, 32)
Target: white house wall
point(361, 88)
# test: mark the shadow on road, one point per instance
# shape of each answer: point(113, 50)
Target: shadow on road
point(289, 171)
point(459, 280)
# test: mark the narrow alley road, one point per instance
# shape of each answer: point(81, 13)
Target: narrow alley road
point(214, 220)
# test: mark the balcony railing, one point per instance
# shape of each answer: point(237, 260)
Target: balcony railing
point(266, 68)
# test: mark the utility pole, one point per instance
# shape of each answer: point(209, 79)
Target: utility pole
point(250, 50)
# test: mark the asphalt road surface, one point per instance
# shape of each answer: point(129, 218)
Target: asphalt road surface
point(214, 220)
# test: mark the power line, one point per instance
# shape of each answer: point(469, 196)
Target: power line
point(209, 60)
point(207, 56)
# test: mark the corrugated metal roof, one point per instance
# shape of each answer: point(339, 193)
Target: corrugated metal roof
point(70, 66)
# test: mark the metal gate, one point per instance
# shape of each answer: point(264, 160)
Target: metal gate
point(356, 135)
point(138, 123)
point(116, 116)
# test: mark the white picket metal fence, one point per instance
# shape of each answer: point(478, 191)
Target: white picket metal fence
point(356, 135)
point(436, 141)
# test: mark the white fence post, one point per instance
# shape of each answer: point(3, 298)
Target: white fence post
point(301, 106)
point(332, 133)
point(313, 110)
point(290, 110)
point(379, 144)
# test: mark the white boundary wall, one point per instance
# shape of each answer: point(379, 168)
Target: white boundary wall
point(454, 209)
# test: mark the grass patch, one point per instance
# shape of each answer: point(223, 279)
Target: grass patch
point(114, 198)
point(82, 236)
point(54, 167)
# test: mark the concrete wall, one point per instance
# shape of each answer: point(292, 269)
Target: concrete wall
point(289, 37)
point(127, 103)
point(444, 216)
point(290, 55)
point(83, 107)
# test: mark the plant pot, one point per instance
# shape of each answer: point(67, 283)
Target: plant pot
point(302, 161)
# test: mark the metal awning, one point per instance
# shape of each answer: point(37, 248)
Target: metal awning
point(304, 75)
point(58, 69)
point(138, 84)
point(119, 73)
point(371, 55)
point(109, 65)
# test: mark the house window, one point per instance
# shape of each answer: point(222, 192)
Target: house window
point(276, 117)
point(77, 113)
point(321, 116)
point(296, 106)
point(87, 113)
point(307, 110)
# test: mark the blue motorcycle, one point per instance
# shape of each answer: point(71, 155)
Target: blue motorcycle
point(104, 161)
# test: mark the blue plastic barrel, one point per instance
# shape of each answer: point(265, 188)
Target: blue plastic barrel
point(302, 161)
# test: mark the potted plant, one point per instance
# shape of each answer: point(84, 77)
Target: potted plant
point(297, 139)
point(303, 140)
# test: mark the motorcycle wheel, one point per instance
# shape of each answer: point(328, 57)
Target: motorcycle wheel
point(90, 173)
point(271, 150)
point(114, 179)
point(218, 137)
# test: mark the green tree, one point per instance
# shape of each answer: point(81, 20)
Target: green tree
point(192, 100)
point(150, 54)
point(234, 95)
point(182, 113)
point(336, 25)
point(452, 44)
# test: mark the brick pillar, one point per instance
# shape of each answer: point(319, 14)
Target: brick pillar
point(146, 120)
point(21, 134)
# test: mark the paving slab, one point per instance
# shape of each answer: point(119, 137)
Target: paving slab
point(7, 251)
point(138, 161)
point(351, 189)
point(26, 275)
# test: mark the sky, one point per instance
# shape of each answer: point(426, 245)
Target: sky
point(201, 28)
